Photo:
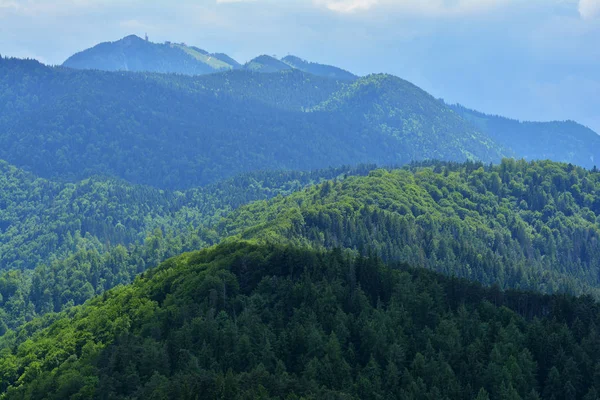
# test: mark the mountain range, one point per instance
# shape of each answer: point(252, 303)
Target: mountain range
point(133, 53)
point(178, 225)
point(175, 131)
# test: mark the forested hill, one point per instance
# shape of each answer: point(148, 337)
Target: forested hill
point(42, 221)
point(318, 69)
point(244, 322)
point(565, 141)
point(133, 53)
point(518, 225)
point(402, 110)
point(178, 132)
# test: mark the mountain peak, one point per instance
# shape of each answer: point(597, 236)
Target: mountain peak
point(132, 53)
point(318, 69)
point(266, 64)
point(132, 37)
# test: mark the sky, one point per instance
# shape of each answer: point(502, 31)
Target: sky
point(525, 59)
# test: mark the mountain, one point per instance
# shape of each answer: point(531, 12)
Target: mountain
point(400, 110)
point(42, 221)
point(318, 69)
point(527, 226)
point(565, 141)
point(173, 131)
point(72, 241)
point(266, 64)
point(241, 321)
point(530, 226)
point(133, 53)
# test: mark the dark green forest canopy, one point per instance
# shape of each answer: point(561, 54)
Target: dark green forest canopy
point(241, 321)
point(93, 235)
point(172, 131)
point(519, 225)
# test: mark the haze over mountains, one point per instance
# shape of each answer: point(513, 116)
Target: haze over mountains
point(133, 53)
point(180, 131)
point(176, 224)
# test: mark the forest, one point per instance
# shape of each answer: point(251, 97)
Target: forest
point(241, 321)
point(571, 142)
point(177, 225)
point(179, 132)
point(530, 226)
point(526, 226)
point(61, 244)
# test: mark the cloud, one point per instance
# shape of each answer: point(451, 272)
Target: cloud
point(416, 7)
point(589, 9)
point(348, 6)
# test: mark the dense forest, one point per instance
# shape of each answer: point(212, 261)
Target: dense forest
point(42, 221)
point(173, 131)
point(565, 141)
point(517, 224)
point(527, 226)
point(241, 321)
point(177, 225)
point(61, 244)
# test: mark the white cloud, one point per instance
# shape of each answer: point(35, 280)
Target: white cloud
point(347, 6)
point(418, 7)
point(589, 8)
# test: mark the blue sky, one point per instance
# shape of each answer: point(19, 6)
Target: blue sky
point(526, 59)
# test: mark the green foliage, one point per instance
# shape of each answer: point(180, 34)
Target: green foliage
point(173, 131)
point(518, 225)
point(91, 236)
point(424, 127)
point(565, 141)
point(241, 321)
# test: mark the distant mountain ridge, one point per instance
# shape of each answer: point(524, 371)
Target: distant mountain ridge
point(318, 69)
point(565, 141)
point(135, 54)
point(176, 131)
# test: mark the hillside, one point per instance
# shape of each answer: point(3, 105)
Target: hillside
point(243, 321)
point(179, 132)
point(565, 141)
point(42, 221)
point(61, 244)
point(266, 64)
point(519, 225)
point(133, 53)
point(400, 110)
point(528, 226)
point(318, 69)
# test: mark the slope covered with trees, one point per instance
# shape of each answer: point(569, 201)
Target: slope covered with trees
point(133, 53)
point(425, 128)
point(266, 64)
point(518, 224)
point(565, 141)
point(178, 132)
point(318, 69)
point(91, 236)
point(42, 221)
point(243, 322)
